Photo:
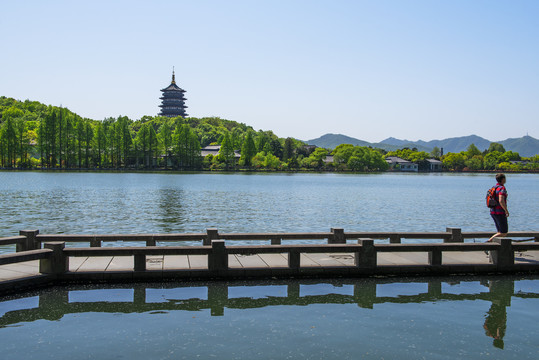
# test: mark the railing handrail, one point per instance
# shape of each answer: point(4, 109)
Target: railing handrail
point(266, 236)
point(135, 250)
point(11, 240)
point(25, 256)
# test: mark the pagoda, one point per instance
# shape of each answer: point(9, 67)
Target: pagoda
point(173, 101)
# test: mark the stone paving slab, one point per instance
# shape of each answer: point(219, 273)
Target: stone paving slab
point(96, 263)
point(233, 262)
point(19, 270)
point(251, 261)
point(345, 259)
point(527, 257)
point(307, 261)
point(324, 259)
point(76, 262)
point(119, 263)
point(198, 261)
point(171, 262)
point(463, 257)
point(275, 260)
point(154, 262)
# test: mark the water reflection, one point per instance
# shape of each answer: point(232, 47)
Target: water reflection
point(496, 317)
point(171, 204)
point(221, 297)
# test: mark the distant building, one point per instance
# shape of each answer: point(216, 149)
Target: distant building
point(398, 164)
point(214, 150)
point(173, 100)
point(328, 159)
point(435, 165)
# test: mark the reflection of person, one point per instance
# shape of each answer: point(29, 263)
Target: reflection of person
point(495, 324)
point(500, 213)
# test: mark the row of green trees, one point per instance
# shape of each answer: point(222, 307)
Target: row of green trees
point(473, 159)
point(34, 135)
point(51, 137)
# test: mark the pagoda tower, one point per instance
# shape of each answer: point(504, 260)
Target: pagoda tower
point(173, 101)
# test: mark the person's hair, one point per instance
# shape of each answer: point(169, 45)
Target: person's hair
point(500, 177)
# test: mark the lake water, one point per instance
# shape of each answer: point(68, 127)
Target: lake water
point(434, 318)
point(111, 203)
point(430, 318)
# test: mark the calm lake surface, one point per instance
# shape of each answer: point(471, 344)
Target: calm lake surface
point(430, 318)
point(112, 203)
point(435, 318)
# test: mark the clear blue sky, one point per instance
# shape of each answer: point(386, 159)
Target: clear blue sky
point(426, 69)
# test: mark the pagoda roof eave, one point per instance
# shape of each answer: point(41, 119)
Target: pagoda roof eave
point(173, 87)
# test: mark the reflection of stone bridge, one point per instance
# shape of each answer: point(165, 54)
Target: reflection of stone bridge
point(344, 254)
point(54, 303)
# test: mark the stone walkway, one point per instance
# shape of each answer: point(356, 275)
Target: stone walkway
point(199, 262)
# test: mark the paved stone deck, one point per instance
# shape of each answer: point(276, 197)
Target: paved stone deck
point(30, 269)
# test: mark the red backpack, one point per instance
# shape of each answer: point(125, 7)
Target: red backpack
point(492, 200)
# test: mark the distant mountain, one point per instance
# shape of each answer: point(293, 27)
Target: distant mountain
point(454, 145)
point(526, 146)
point(331, 141)
point(396, 142)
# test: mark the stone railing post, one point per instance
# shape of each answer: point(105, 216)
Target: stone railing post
point(31, 242)
point(218, 258)
point(211, 234)
point(95, 242)
point(337, 236)
point(394, 239)
point(366, 256)
point(456, 235)
point(151, 241)
point(504, 257)
point(435, 257)
point(139, 262)
point(294, 259)
point(275, 241)
point(58, 262)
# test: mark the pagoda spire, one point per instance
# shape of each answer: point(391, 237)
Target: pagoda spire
point(173, 100)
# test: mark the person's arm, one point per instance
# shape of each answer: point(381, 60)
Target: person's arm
point(503, 204)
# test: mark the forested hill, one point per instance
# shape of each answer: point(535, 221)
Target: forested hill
point(210, 130)
point(33, 134)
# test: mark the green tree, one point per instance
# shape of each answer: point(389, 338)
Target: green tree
point(187, 147)
point(226, 152)
point(495, 147)
point(316, 159)
point(342, 153)
point(88, 137)
point(509, 156)
point(288, 149)
point(472, 151)
point(165, 139)
point(491, 159)
point(475, 163)
point(248, 150)
point(454, 161)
